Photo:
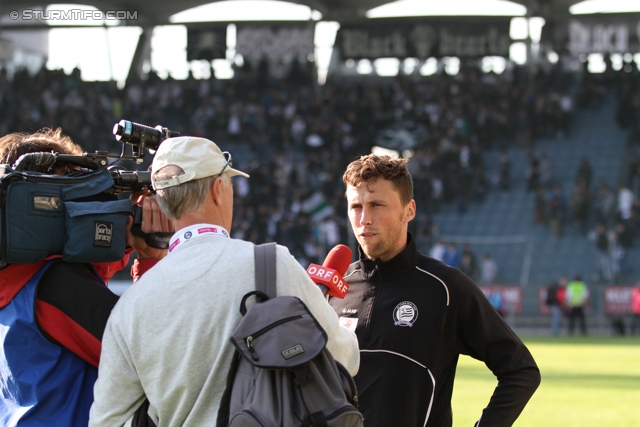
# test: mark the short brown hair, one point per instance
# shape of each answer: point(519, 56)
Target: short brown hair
point(14, 145)
point(372, 167)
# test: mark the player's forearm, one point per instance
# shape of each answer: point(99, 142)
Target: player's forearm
point(510, 397)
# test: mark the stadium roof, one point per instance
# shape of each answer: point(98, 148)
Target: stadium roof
point(157, 12)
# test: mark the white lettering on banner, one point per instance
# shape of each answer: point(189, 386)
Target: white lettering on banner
point(491, 43)
point(599, 38)
point(579, 38)
point(462, 45)
point(421, 41)
point(617, 295)
point(617, 300)
point(358, 43)
point(603, 36)
point(275, 43)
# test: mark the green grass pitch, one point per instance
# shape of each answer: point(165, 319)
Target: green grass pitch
point(586, 382)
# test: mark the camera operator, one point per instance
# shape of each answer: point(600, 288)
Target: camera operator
point(53, 313)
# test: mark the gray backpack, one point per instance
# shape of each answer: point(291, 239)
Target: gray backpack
point(282, 374)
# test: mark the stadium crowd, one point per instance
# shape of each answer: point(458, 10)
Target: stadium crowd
point(294, 137)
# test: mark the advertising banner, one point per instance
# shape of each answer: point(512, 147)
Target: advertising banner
point(274, 42)
point(601, 34)
point(507, 298)
point(617, 300)
point(424, 39)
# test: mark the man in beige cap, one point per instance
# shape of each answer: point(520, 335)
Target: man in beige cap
point(167, 339)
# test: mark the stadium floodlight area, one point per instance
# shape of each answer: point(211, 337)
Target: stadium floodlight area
point(387, 66)
point(405, 8)
point(105, 53)
point(430, 67)
point(605, 6)
point(247, 10)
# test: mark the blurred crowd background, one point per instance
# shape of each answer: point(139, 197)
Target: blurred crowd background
point(295, 139)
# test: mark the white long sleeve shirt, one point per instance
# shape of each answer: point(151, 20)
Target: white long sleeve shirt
point(168, 336)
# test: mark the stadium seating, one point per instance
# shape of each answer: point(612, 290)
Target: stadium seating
point(507, 215)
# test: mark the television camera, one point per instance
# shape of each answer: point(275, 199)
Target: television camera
point(44, 214)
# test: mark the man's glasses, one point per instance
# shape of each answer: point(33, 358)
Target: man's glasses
point(229, 159)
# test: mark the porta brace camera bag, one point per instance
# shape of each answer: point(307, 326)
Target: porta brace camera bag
point(44, 214)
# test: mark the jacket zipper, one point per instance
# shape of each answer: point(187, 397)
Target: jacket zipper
point(249, 340)
point(376, 292)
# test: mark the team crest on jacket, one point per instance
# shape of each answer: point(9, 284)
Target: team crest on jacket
point(405, 314)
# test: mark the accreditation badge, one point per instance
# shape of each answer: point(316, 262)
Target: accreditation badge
point(349, 322)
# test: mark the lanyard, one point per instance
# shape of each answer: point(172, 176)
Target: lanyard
point(197, 230)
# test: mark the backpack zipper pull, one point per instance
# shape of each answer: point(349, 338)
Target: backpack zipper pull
point(254, 355)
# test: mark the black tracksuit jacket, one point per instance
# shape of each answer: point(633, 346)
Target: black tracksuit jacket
point(415, 316)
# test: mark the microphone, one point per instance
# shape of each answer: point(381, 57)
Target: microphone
point(328, 276)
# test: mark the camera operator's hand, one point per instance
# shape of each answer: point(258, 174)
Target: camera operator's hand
point(153, 221)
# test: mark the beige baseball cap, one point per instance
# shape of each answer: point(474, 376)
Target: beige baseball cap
point(197, 157)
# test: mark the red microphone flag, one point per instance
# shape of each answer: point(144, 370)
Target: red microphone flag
point(329, 274)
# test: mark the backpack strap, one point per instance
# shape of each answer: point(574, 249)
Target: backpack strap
point(265, 265)
point(224, 410)
point(265, 278)
point(265, 275)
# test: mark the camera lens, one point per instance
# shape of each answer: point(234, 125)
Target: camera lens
point(137, 134)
